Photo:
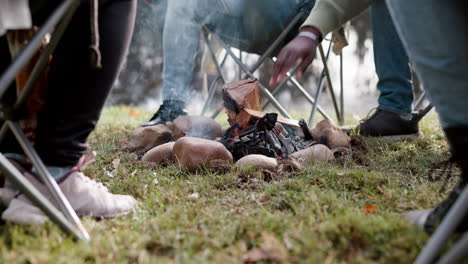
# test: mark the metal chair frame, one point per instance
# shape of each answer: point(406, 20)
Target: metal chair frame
point(442, 234)
point(270, 96)
point(64, 216)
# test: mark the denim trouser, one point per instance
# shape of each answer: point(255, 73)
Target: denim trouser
point(249, 23)
point(391, 63)
point(435, 34)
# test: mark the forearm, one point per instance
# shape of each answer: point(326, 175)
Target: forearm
point(328, 15)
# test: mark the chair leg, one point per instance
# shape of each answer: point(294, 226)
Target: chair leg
point(316, 98)
point(445, 230)
point(48, 180)
point(420, 101)
point(457, 253)
point(330, 86)
point(341, 89)
point(13, 175)
point(263, 89)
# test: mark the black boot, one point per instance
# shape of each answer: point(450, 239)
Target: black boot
point(168, 111)
point(385, 123)
point(458, 141)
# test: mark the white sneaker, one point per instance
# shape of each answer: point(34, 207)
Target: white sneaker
point(23, 212)
point(87, 197)
point(418, 217)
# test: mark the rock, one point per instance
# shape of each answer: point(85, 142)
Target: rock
point(146, 138)
point(161, 154)
point(340, 152)
point(328, 134)
point(258, 161)
point(196, 126)
point(192, 153)
point(316, 153)
point(290, 164)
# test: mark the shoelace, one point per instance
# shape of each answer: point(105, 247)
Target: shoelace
point(370, 115)
point(84, 161)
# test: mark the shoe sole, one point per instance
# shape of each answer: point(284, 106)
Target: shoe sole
point(392, 138)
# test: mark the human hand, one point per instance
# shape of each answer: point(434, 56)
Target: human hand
point(301, 49)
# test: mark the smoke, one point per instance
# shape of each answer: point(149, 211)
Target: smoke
point(140, 83)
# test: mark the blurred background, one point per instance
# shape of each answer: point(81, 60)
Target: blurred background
point(140, 81)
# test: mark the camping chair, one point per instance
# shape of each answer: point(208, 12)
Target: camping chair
point(269, 54)
point(11, 114)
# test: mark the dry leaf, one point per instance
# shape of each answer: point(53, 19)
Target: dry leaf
point(134, 112)
point(370, 208)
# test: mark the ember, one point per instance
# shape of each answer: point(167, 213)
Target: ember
point(267, 137)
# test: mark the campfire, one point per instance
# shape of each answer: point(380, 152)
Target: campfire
point(267, 137)
point(254, 138)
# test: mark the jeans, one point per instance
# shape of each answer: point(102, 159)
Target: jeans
point(435, 36)
point(76, 92)
point(242, 24)
point(391, 63)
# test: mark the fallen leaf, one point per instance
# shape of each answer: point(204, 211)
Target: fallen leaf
point(370, 208)
point(134, 112)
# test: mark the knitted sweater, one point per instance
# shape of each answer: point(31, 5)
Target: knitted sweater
point(328, 15)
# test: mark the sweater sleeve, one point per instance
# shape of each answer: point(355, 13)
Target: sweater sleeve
point(328, 15)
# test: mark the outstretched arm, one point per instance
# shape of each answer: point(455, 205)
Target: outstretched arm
point(326, 16)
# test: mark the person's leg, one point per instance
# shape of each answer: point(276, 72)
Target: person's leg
point(77, 91)
point(392, 67)
point(181, 39)
point(235, 22)
point(391, 62)
point(76, 95)
point(434, 35)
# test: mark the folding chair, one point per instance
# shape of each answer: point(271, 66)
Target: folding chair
point(268, 54)
point(64, 216)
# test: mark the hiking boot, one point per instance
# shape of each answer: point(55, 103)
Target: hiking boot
point(168, 111)
point(384, 123)
point(87, 197)
point(458, 140)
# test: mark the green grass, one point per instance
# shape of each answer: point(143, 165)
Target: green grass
point(315, 216)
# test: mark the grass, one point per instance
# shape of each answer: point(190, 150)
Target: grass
point(316, 216)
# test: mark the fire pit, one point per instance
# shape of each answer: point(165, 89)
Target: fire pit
point(267, 137)
point(254, 138)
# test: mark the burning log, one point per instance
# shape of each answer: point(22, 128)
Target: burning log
point(267, 137)
point(240, 95)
